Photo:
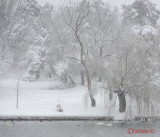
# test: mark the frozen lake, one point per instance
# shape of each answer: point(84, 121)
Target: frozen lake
point(76, 129)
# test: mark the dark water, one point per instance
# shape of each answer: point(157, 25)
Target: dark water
point(77, 129)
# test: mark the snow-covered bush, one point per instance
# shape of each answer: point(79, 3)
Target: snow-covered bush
point(59, 108)
point(61, 67)
point(35, 58)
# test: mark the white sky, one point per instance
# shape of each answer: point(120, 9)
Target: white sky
point(117, 3)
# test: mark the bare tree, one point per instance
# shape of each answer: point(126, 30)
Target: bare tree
point(74, 19)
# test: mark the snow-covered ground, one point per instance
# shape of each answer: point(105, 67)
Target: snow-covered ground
point(39, 99)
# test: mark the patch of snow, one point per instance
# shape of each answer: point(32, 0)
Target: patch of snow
point(144, 31)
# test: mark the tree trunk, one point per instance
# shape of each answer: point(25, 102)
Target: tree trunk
point(122, 100)
point(100, 78)
point(49, 75)
point(82, 77)
point(72, 81)
point(65, 78)
point(18, 83)
point(93, 102)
